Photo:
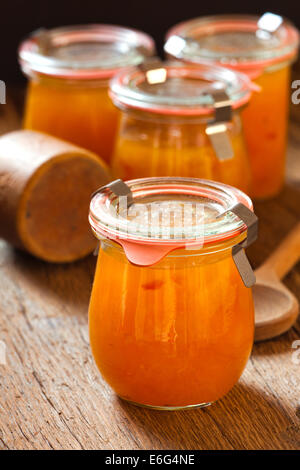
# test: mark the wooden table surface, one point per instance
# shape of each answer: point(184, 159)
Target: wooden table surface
point(52, 396)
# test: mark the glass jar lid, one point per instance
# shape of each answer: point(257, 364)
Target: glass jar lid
point(235, 40)
point(178, 89)
point(88, 51)
point(168, 211)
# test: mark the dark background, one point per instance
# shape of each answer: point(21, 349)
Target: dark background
point(19, 17)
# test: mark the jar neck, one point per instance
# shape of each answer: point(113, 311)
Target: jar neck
point(149, 116)
point(278, 66)
point(256, 70)
point(53, 80)
point(223, 248)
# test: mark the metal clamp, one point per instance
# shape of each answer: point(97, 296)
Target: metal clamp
point(217, 129)
point(155, 71)
point(269, 23)
point(119, 188)
point(176, 44)
point(238, 253)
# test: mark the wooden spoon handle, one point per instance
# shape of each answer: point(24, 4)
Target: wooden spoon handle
point(286, 255)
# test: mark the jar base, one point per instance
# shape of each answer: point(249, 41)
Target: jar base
point(166, 408)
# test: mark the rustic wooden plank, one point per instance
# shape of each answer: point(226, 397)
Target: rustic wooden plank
point(52, 396)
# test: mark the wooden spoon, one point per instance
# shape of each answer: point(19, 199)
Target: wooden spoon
point(276, 308)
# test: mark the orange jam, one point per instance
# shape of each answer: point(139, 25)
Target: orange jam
point(265, 126)
point(79, 113)
point(263, 48)
point(176, 330)
point(156, 148)
point(69, 70)
point(164, 125)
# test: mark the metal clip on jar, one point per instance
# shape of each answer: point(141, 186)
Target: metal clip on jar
point(69, 69)
point(171, 318)
point(263, 48)
point(181, 121)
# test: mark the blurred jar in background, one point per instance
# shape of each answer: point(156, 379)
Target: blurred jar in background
point(69, 69)
point(181, 120)
point(264, 48)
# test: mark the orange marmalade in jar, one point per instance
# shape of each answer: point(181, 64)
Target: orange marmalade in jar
point(69, 69)
point(170, 113)
point(171, 320)
point(264, 49)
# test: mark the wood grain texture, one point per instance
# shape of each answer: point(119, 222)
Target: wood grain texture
point(52, 396)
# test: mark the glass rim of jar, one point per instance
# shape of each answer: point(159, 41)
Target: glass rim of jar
point(132, 48)
point(106, 219)
point(126, 89)
point(286, 35)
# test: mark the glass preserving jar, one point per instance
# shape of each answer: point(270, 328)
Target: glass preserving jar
point(69, 69)
point(171, 321)
point(168, 111)
point(264, 49)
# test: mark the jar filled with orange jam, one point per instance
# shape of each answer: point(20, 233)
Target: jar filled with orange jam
point(170, 113)
point(264, 49)
point(171, 321)
point(69, 69)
